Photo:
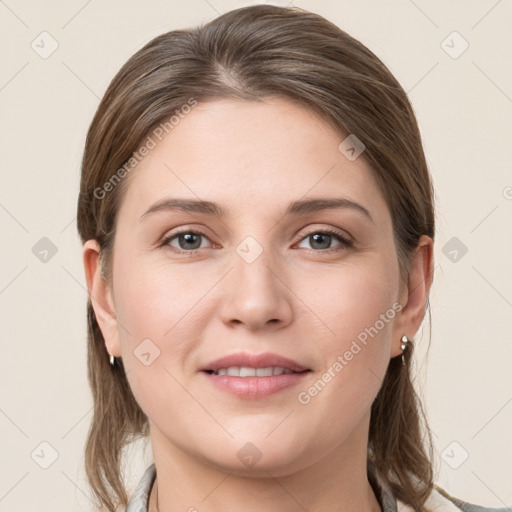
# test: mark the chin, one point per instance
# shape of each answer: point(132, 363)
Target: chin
point(254, 456)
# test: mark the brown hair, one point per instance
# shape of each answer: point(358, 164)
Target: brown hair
point(252, 53)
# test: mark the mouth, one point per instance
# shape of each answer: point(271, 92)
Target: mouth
point(254, 376)
point(245, 364)
point(244, 383)
point(246, 371)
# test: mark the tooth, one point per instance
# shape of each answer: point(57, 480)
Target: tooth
point(247, 372)
point(263, 372)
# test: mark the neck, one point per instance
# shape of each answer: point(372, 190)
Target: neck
point(338, 481)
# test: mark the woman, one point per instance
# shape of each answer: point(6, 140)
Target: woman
point(269, 362)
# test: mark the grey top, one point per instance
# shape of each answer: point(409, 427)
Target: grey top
point(439, 500)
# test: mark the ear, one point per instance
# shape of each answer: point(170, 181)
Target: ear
point(415, 294)
point(100, 294)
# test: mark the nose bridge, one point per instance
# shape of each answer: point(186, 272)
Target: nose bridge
point(253, 262)
point(256, 294)
point(255, 250)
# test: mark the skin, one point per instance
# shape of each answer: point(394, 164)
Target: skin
point(299, 299)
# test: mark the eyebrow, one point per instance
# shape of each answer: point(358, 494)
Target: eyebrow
point(295, 208)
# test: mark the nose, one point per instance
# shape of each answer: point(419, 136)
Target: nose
point(256, 293)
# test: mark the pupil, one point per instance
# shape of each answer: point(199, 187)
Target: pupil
point(318, 236)
point(189, 238)
point(320, 240)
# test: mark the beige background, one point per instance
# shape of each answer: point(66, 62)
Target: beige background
point(464, 107)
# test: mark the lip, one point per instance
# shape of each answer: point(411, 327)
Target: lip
point(254, 387)
point(254, 361)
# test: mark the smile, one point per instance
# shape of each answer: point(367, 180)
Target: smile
point(245, 371)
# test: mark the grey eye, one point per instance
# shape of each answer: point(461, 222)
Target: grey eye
point(187, 241)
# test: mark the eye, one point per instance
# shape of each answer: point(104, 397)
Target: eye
point(188, 241)
point(322, 239)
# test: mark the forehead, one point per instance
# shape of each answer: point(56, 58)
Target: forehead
point(247, 155)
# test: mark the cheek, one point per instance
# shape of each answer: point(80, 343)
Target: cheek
point(153, 300)
point(357, 308)
point(155, 307)
point(348, 300)
point(160, 309)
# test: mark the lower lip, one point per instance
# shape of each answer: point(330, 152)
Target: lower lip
point(255, 387)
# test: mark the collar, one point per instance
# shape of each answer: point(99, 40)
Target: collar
point(382, 490)
point(139, 500)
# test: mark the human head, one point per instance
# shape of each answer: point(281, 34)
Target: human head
point(251, 54)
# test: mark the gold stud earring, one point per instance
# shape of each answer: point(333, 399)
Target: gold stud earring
point(112, 360)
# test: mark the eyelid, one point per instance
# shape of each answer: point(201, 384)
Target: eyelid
point(167, 238)
point(344, 235)
point(346, 241)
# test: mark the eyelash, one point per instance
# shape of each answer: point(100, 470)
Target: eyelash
point(345, 242)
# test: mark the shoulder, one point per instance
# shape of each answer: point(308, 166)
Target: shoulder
point(440, 494)
point(441, 501)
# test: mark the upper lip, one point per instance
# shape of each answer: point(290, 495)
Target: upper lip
point(246, 359)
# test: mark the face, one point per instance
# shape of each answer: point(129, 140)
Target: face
point(273, 274)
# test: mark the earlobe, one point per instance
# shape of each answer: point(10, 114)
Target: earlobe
point(100, 294)
point(416, 294)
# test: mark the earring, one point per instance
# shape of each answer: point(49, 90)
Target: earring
point(112, 360)
point(403, 346)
